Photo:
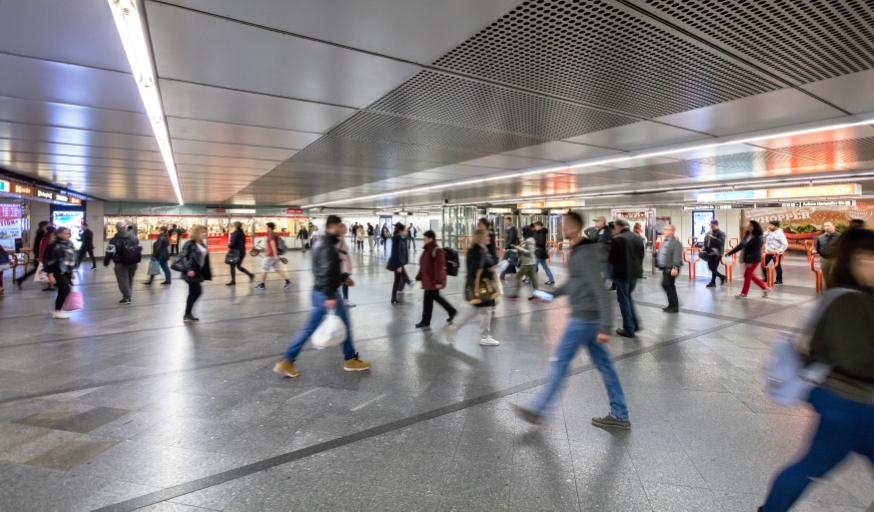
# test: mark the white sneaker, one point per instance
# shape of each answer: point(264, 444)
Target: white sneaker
point(489, 342)
point(741, 296)
point(348, 303)
point(449, 333)
point(60, 315)
point(766, 292)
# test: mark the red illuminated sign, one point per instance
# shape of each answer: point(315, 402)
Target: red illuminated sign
point(294, 211)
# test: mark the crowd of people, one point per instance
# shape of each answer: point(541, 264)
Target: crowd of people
point(840, 338)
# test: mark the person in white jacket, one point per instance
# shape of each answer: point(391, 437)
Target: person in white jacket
point(775, 241)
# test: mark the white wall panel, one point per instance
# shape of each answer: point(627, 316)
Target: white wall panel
point(208, 50)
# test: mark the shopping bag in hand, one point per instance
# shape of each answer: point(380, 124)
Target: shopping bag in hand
point(331, 332)
point(73, 302)
point(41, 275)
point(154, 268)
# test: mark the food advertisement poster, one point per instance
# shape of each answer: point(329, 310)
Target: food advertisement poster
point(10, 229)
point(805, 223)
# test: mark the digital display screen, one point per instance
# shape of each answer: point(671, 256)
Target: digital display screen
point(701, 223)
point(72, 220)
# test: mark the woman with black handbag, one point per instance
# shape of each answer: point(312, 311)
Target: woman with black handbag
point(236, 253)
point(480, 290)
point(194, 263)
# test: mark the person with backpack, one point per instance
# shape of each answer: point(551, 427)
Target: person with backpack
point(432, 274)
point(60, 261)
point(275, 248)
point(327, 279)
point(237, 245)
point(125, 251)
point(527, 260)
point(194, 264)
point(841, 341)
point(398, 260)
point(161, 254)
point(714, 248)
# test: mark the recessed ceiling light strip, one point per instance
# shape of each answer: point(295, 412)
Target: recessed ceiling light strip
point(130, 28)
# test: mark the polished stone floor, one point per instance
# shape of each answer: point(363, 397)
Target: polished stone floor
point(126, 408)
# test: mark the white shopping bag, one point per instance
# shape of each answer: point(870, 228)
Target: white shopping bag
point(330, 333)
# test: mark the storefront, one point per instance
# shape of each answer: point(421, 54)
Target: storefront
point(802, 224)
point(219, 223)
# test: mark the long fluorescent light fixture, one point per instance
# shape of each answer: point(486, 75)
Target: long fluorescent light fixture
point(133, 37)
point(614, 159)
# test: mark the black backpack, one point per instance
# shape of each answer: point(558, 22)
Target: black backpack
point(130, 252)
point(281, 247)
point(451, 261)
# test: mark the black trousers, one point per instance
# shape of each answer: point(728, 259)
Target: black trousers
point(174, 248)
point(29, 272)
point(714, 270)
point(428, 308)
point(82, 253)
point(779, 269)
point(401, 280)
point(195, 289)
point(670, 287)
point(62, 282)
point(239, 266)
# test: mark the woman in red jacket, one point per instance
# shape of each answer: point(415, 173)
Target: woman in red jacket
point(432, 274)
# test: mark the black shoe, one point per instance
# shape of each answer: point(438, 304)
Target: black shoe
point(638, 329)
point(251, 277)
point(147, 283)
point(49, 289)
point(94, 268)
point(449, 320)
point(165, 282)
point(624, 333)
point(423, 325)
point(671, 310)
point(393, 301)
point(549, 283)
point(527, 415)
point(711, 284)
point(189, 319)
point(232, 283)
point(721, 279)
point(779, 282)
point(18, 283)
point(613, 288)
point(126, 302)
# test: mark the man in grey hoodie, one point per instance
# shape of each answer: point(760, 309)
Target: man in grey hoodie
point(125, 251)
point(590, 326)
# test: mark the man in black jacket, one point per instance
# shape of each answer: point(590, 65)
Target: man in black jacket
point(237, 244)
point(626, 257)
point(87, 247)
point(541, 253)
point(714, 243)
point(37, 240)
point(328, 279)
point(511, 240)
point(125, 261)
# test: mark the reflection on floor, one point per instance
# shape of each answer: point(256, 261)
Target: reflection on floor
point(126, 402)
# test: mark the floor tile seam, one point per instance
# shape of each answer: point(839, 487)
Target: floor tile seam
point(246, 470)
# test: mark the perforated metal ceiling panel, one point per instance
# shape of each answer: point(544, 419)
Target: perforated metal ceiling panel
point(602, 53)
point(462, 102)
point(805, 40)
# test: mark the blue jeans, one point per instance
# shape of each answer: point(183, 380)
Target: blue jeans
point(318, 312)
point(166, 270)
point(582, 332)
point(844, 426)
point(630, 321)
point(545, 268)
